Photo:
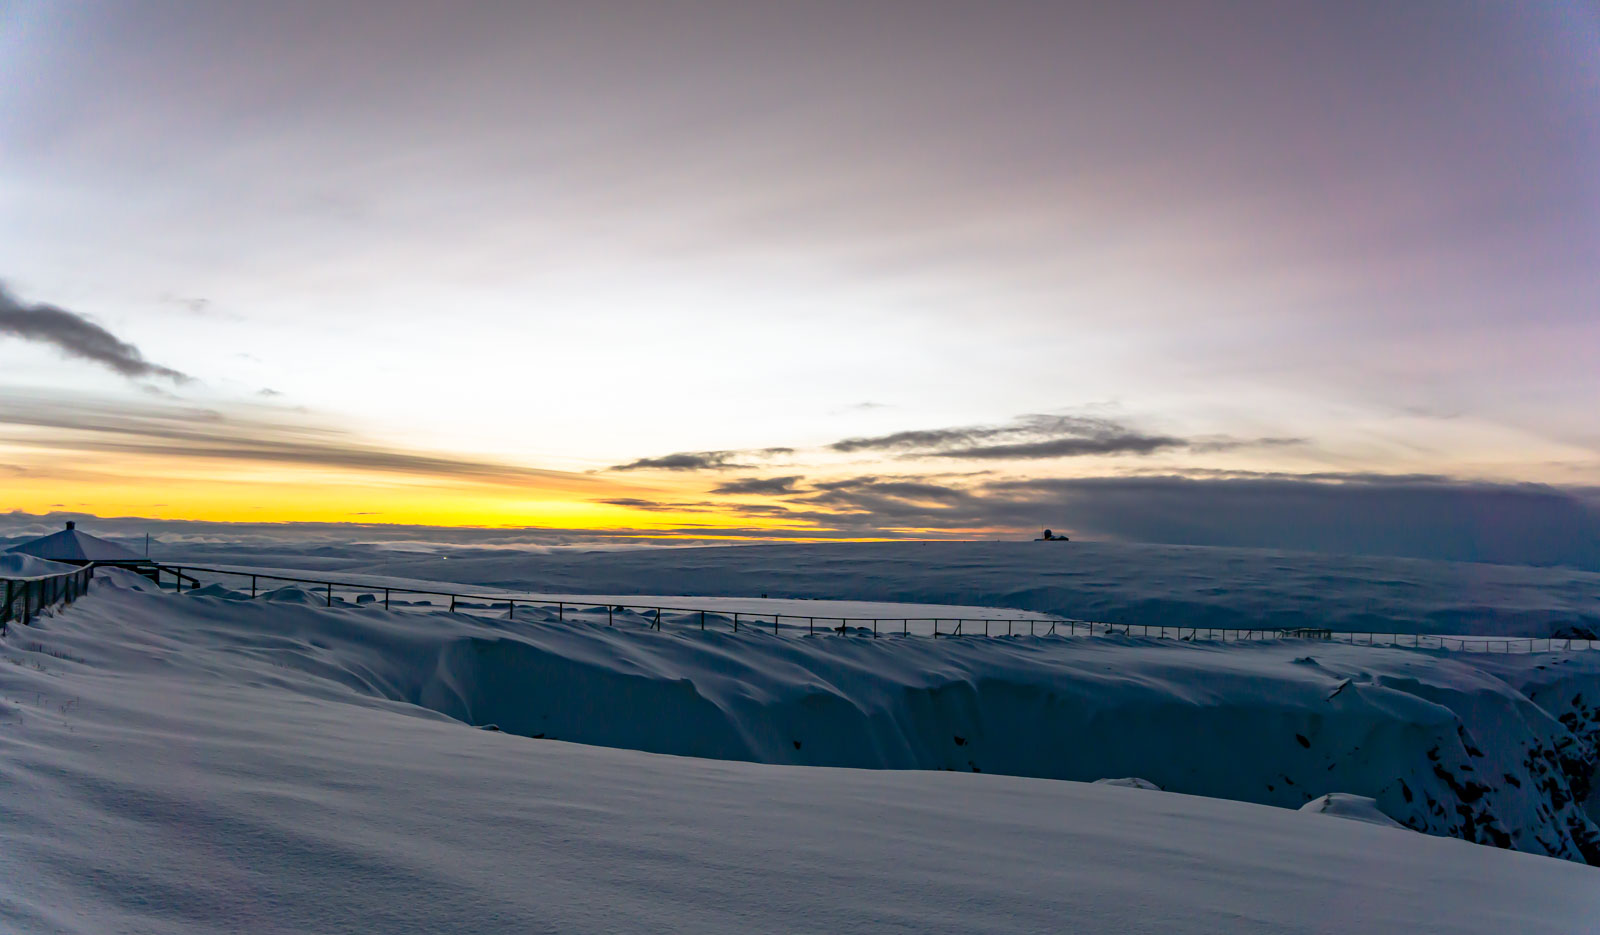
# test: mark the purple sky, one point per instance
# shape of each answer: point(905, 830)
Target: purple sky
point(572, 236)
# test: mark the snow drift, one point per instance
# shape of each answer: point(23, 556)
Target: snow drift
point(18, 565)
point(1497, 751)
point(177, 765)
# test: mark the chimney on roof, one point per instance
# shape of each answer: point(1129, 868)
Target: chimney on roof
point(71, 524)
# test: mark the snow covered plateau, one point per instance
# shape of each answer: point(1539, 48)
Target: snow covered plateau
point(206, 762)
point(1158, 585)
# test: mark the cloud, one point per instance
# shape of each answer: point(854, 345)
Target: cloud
point(1026, 437)
point(1038, 436)
point(195, 432)
point(1419, 517)
point(1121, 443)
point(702, 506)
point(76, 336)
point(1415, 516)
point(701, 460)
point(894, 504)
point(1213, 443)
point(865, 406)
point(656, 506)
point(770, 486)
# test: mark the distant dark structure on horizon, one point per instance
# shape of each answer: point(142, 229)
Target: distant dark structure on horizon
point(1052, 537)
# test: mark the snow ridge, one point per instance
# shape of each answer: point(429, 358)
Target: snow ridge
point(1494, 750)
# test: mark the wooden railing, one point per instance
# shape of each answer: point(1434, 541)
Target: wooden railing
point(24, 598)
point(653, 615)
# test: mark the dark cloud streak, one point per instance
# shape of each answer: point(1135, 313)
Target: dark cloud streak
point(194, 432)
point(1126, 443)
point(76, 336)
point(769, 486)
point(1040, 436)
point(701, 460)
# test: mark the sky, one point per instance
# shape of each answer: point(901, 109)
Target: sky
point(1170, 272)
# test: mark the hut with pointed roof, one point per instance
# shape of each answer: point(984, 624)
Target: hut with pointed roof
point(75, 547)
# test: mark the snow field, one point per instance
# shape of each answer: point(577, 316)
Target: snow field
point(1442, 743)
point(1104, 581)
point(176, 765)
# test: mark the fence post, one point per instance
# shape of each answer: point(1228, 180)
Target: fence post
point(452, 603)
point(511, 609)
point(27, 586)
point(385, 598)
point(775, 623)
point(252, 587)
point(658, 618)
point(609, 609)
point(735, 620)
point(330, 595)
point(561, 611)
point(702, 620)
point(811, 626)
point(5, 612)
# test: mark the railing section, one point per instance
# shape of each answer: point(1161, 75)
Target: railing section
point(655, 617)
point(21, 599)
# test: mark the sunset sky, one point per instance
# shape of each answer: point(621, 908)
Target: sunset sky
point(826, 268)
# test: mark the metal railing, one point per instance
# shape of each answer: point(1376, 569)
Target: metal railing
point(654, 616)
point(24, 598)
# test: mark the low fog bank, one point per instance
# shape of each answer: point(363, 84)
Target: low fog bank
point(1403, 516)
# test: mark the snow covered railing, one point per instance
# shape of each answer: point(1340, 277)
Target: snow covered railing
point(657, 616)
point(1471, 644)
point(24, 597)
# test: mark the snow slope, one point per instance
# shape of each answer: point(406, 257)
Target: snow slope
point(1442, 743)
point(1121, 583)
point(17, 565)
point(176, 765)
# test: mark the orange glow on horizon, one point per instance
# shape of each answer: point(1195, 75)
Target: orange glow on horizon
point(193, 489)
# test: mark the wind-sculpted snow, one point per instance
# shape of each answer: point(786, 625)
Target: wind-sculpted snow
point(17, 565)
point(1448, 744)
point(181, 765)
point(1138, 584)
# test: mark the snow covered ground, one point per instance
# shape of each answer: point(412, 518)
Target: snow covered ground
point(17, 565)
point(1122, 583)
point(177, 763)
